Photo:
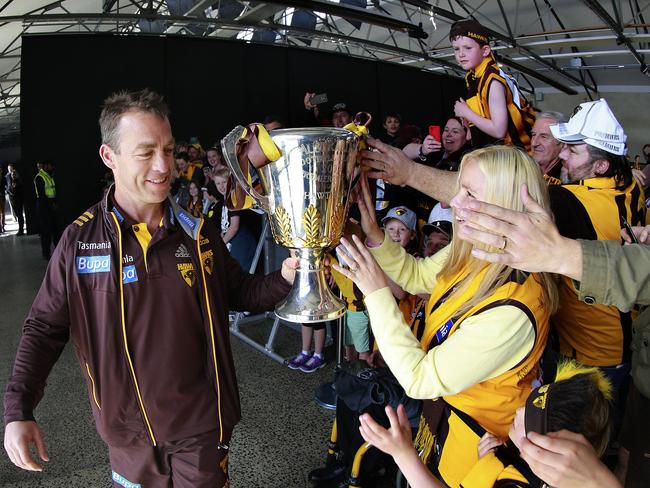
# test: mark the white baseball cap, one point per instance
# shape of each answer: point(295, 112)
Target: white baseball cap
point(593, 124)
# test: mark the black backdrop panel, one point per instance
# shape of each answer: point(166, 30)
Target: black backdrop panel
point(420, 98)
point(64, 80)
point(204, 87)
point(266, 83)
point(211, 85)
point(344, 79)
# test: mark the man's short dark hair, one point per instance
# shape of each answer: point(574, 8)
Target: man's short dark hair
point(394, 115)
point(212, 190)
point(273, 118)
point(182, 155)
point(619, 168)
point(122, 102)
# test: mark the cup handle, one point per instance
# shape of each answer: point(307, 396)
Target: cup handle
point(235, 151)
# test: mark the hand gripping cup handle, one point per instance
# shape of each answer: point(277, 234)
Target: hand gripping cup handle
point(241, 147)
point(305, 195)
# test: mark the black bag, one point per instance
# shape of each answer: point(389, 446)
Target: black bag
point(361, 389)
point(360, 386)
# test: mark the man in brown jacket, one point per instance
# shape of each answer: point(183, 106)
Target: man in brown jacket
point(143, 290)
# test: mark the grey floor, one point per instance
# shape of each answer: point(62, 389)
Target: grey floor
point(281, 437)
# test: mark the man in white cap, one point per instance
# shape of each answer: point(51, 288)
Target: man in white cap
point(598, 195)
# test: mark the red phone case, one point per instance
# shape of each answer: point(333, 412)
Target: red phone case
point(434, 131)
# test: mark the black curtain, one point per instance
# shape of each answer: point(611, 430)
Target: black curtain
point(211, 85)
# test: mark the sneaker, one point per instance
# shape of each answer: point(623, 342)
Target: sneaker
point(299, 361)
point(313, 364)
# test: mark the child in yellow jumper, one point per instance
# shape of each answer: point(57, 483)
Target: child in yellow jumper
point(494, 109)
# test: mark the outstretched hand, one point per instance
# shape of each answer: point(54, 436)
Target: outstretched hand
point(364, 270)
point(394, 441)
point(374, 235)
point(529, 240)
point(388, 162)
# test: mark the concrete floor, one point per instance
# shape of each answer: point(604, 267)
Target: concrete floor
point(281, 438)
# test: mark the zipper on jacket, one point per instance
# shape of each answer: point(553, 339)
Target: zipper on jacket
point(123, 320)
point(214, 349)
point(92, 382)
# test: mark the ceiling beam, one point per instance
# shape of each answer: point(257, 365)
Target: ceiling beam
point(567, 42)
point(259, 13)
point(598, 9)
point(99, 17)
point(108, 5)
point(354, 13)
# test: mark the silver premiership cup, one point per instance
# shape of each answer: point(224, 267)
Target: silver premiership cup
point(305, 194)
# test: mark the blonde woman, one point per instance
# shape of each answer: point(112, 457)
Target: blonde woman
point(486, 324)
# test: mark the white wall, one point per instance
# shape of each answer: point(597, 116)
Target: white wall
point(631, 109)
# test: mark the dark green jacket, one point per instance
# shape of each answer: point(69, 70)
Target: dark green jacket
point(620, 275)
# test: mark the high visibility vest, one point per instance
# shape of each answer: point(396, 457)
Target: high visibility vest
point(50, 186)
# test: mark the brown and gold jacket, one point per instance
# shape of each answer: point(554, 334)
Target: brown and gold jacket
point(85, 297)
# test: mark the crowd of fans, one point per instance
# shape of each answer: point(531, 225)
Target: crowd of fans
point(491, 343)
point(488, 391)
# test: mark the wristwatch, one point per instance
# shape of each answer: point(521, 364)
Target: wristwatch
point(422, 156)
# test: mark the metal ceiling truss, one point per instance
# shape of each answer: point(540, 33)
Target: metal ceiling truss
point(550, 8)
point(617, 28)
point(389, 30)
point(120, 19)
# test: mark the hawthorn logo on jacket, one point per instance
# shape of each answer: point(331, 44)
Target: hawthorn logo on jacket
point(187, 273)
point(208, 260)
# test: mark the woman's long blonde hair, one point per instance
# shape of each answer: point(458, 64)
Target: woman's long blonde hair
point(505, 168)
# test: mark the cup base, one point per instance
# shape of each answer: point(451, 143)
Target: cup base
point(309, 318)
point(310, 299)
